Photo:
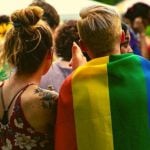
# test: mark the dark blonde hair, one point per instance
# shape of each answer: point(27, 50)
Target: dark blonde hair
point(28, 41)
point(99, 28)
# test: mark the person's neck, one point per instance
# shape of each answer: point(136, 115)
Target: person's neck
point(116, 50)
point(21, 79)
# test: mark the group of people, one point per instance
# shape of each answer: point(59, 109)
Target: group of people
point(74, 86)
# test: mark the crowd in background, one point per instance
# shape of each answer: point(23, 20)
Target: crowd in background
point(38, 51)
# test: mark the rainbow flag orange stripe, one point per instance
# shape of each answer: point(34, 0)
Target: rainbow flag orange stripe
point(105, 105)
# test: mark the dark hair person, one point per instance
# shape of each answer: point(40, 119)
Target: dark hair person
point(50, 14)
point(65, 35)
point(27, 111)
point(138, 16)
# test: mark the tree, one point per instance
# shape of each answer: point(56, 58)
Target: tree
point(110, 2)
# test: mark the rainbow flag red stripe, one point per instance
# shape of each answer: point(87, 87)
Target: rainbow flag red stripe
point(105, 105)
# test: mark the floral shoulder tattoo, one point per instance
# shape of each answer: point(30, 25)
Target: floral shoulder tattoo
point(49, 98)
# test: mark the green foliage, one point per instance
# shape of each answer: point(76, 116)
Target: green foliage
point(110, 2)
point(4, 72)
point(3, 75)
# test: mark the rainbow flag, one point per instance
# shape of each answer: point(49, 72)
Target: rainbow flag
point(105, 105)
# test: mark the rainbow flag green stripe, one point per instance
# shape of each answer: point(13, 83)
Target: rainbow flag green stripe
point(115, 118)
point(129, 105)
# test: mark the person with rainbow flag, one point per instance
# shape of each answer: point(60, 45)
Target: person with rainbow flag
point(105, 103)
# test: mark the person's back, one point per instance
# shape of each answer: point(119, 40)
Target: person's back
point(103, 105)
point(27, 112)
point(20, 130)
point(125, 46)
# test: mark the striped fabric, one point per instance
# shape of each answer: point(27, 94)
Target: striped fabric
point(105, 105)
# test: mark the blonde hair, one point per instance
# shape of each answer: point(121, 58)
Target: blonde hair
point(99, 28)
point(28, 41)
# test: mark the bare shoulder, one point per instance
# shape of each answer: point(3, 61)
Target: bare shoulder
point(39, 106)
point(35, 95)
point(47, 97)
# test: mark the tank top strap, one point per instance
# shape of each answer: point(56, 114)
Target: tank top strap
point(19, 93)
point(5, 115)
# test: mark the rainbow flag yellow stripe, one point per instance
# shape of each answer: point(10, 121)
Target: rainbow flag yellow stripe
point(105, 105)
point(91, 117)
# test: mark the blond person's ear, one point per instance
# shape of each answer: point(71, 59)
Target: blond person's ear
point(82, 46)
point(123, 37)
point(78, 58)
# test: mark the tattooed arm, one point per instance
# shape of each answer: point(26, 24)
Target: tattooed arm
point(48, 98)
point(40, 108)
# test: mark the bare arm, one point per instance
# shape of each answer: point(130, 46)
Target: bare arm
point(39, 107)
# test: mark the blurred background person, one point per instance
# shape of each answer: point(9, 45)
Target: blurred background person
point(125, 42)
point(50, 15)
point(65, 35)
point(138, 17)
point(27, 112)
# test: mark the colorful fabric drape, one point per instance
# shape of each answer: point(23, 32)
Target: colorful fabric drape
point(105, 105)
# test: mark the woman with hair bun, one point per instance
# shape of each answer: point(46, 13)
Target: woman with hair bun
point(27, 112)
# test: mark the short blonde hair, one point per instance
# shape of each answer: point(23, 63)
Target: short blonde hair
point(99, 28)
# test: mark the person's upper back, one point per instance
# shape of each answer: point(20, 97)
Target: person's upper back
point(27, 116)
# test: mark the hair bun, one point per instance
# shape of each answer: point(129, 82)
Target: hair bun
point(26, 17)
